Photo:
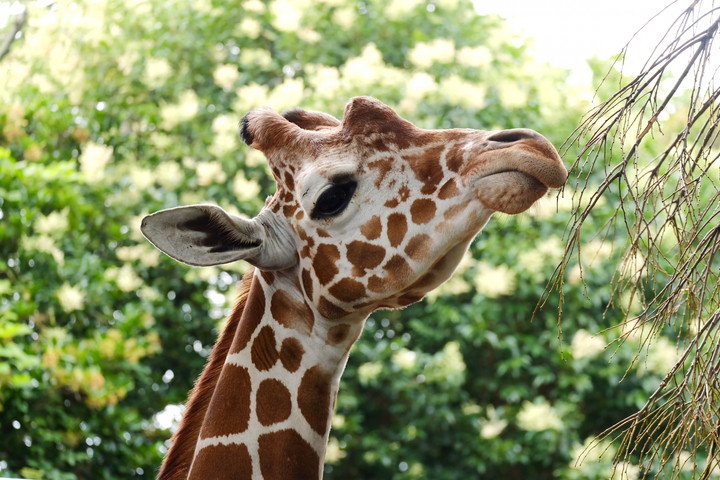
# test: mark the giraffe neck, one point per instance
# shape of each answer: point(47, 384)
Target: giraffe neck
point(263, 405)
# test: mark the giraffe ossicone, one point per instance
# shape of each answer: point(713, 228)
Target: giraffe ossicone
point(370, 212)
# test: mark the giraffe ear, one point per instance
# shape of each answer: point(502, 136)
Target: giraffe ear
point(204, 235)
point(309, 120)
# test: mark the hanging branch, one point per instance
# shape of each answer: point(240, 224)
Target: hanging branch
point(670, 213)
point(12, 35)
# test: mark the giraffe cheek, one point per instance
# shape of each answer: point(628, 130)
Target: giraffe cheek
point(372, 229)
point(325, 263)
point(397, 228)
point(422, 211)
point(364, 256)
point(418, 247)
point(348, 290)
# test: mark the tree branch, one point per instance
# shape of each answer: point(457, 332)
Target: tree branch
point(12, 34)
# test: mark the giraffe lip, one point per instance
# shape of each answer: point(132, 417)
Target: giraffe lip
point(550, 178)
point(519, 174)
point(509, 191)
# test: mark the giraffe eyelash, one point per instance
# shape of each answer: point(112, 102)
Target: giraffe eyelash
point(333, 200)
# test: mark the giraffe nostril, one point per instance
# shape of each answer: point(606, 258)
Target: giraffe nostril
point(513, 135)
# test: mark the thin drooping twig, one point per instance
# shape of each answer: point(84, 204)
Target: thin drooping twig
point(12, 34)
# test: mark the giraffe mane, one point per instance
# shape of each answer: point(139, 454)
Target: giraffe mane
point(178, 460)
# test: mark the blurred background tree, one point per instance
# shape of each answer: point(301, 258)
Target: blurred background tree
point(113, 109)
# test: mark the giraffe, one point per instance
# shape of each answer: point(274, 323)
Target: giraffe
point(369, 213)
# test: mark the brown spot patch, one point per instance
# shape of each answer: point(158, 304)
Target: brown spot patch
point(398, 271)
point(222, 462)
point(364, 256)
point(427, 170)
point(291, 354)
point(392, 203)
point(269, 277)
point(291, 313)
point(299, 215)
point(418, 246)
point(376, 284)
point(329, 310)
point(285, 454)
point(448, 190)
point(273, 402)
point(454, 211)
point(454, 160)
point(314, 398)
point(307, 283)
point(323, 233)
point(383, 166)
point(231, 395)
point(289, 182)
point(338, 333)
point(397, 228)
point(264, 352)
point(289, 209)
point(251, 316)
point(402, 196)
point(372, 228)
point(307, 241)
point(422, 210)
point(403, 193)
point(348, 290)
point(324, 263)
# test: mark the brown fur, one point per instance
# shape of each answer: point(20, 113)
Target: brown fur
point(178, 460)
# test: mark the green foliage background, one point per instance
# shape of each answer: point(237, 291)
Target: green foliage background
point(112, 109)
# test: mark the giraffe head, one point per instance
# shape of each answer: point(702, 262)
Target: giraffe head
point(370, 212)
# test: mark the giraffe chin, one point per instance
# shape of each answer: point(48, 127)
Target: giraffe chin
point(510, 192)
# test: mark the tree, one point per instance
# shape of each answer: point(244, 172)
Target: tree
point(663, 125)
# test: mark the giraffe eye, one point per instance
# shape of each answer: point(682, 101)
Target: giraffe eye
point(333, 200)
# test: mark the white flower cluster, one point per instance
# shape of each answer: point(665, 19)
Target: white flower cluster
point(425, 54)
point(536, 417)
point(494, 281)
point(173, 114)
point(54, 223)
point(71, 298)
point(209, 172)
point(226, 75)
point(93, 160)
point(586, 345)
point(141, 252)
point(405, 359)
point(225, 140)
point(156, 72)
point(493, 425)
point(660, 357)
point(245, 189)
point(124, 277)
